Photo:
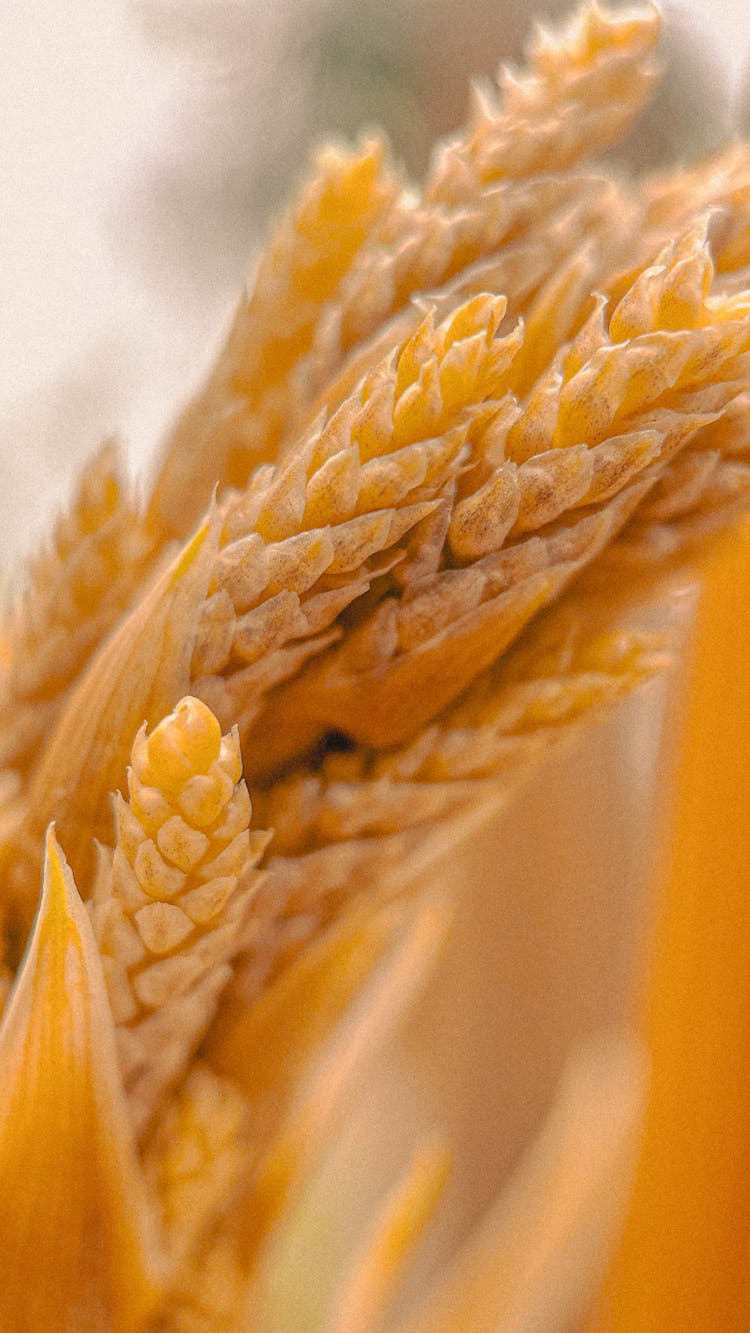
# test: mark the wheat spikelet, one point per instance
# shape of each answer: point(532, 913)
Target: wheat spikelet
point(581, 92)
point(196, 1162)
point(721, 183)
point(238, 420)
point(491, 243)
point(77, 591)
point(484, 197)
point(414, 653)
point(168, 907)
point(356, 248)
point(306, 539)
point(552, 485)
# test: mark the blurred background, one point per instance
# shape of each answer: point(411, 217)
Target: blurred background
point(146, 142)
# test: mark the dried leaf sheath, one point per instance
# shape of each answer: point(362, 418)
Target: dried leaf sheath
point(537, 1255)
point(369, 1288)
point(79, 1247)
point(169, 907)
point(294, 1058)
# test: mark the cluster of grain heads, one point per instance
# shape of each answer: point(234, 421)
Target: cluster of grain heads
point(307, 538)
point(553, 484)
point(495, 185)
point(169, 905)
point(357, 246)
point(436, 410)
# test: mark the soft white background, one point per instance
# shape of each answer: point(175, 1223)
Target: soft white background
point(121, 124)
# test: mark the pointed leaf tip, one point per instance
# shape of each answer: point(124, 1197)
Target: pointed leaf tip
point(78, 1248)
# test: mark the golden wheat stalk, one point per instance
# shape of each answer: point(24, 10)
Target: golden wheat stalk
point(368, 615)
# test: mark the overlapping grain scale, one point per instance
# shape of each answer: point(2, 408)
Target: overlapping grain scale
point(139, 674)
point(306, 539)
point(502, 189)
point(168, 906)
point(197, 1160)
point(365, 824)
point(551, 486)
point(582, 90)
point(511, 238)
point(236, 422)
point(718, 188)
point(701, 491)
point(720, 183)
point(77, 590)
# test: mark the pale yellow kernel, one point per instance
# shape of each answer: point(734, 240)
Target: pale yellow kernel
point(167, 765)
point(149, 806)
point(163, 926)
point(155, 877)
point(125, 886)
point(181, 844)
point(230, 755)
point(130, 831)
point(120, 938)
point(170, 977)
point(121, 999)
point(204, 797)
point(236, 817)
point(204, 903)
point(229, 861)
point(200, 732)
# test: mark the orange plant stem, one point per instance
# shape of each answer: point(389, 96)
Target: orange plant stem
point(684, 1263)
